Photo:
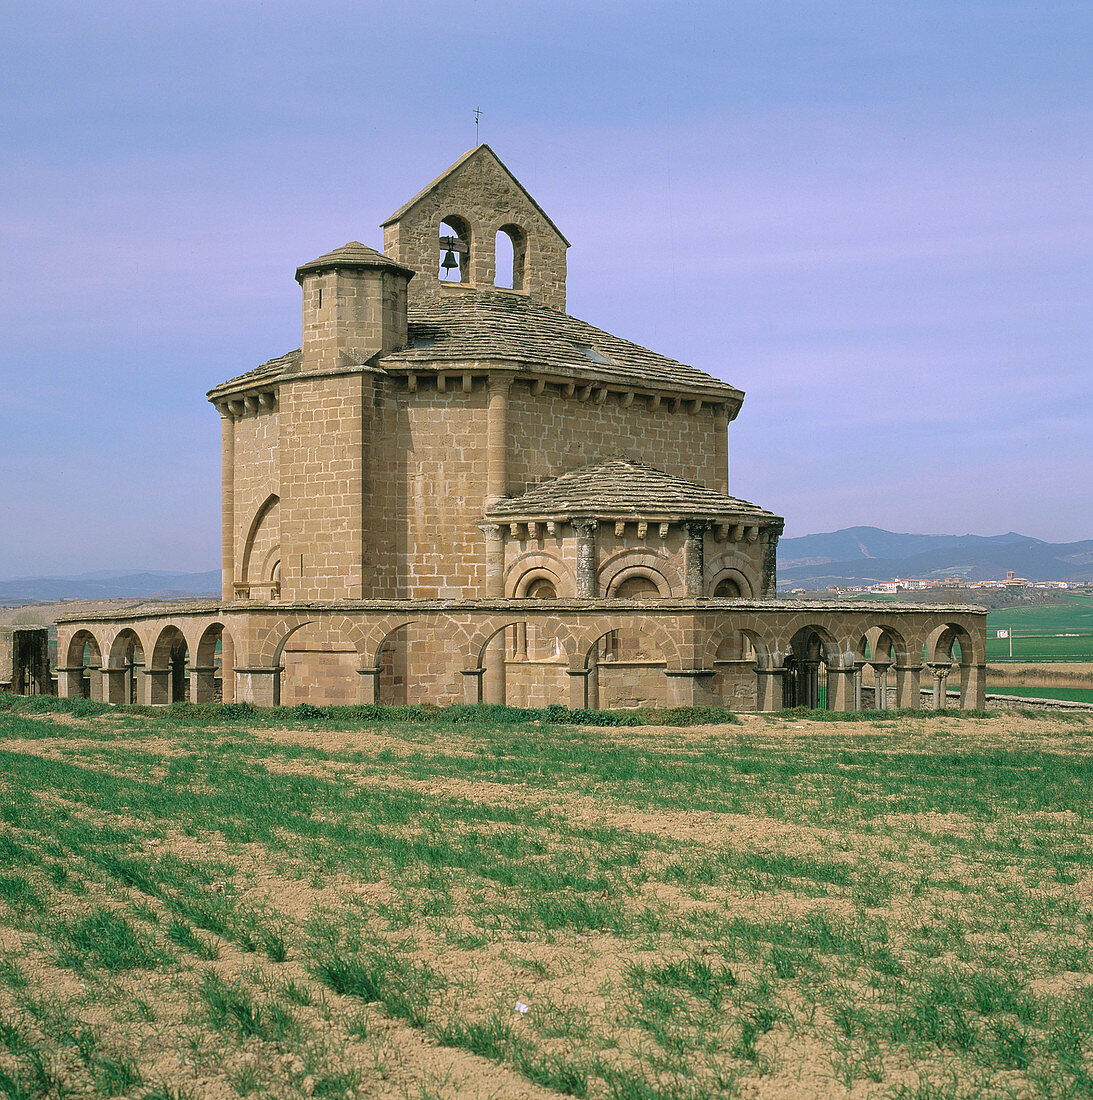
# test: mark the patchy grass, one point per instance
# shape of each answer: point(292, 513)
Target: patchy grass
point(213, 902)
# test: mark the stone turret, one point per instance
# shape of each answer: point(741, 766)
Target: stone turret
point(354, 307)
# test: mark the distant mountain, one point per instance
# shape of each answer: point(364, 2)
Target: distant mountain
point(863, 555)
point(112, 584)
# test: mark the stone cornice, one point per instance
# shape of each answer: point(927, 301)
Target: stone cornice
point(564, 606)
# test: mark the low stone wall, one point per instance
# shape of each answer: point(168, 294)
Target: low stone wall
point(594, 652)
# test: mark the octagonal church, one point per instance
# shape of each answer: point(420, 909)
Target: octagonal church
point(456, 491)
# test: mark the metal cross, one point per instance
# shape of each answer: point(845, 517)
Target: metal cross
point(477, 112)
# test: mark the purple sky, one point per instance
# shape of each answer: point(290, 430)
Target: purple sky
point(873, 217)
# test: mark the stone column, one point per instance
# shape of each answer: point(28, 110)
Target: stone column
point(973, 687)
point(578, 688)
point(369, 688)
point(859, 665)
point(114, 683)
point(586, 556)
point(880, 684)
point(495, 560)
point(497, 437)
point(721, 450)
point(694, 554)
point(227, 668)
point(70, 682)
point(770, 691)
point(907, 693)
point(769, 587)
point(227, 502)
point(841, 688)
point(940, 674)
point(203, 684)
point(159, 686)
point(811, 692)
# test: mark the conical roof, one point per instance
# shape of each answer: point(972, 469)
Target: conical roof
point(353, 254)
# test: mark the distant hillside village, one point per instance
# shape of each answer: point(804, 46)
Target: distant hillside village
point(915, 584)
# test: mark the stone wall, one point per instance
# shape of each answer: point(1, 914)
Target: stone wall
point(481, 193)
point(678, 652)
point(551, 434)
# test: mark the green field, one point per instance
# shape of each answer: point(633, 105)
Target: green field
point(215, 902)
point(1073, 695)
point(1074, 616)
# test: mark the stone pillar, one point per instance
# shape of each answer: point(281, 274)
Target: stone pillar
point(203, 684)
point(369, 688)
point(973, 687)
point(907, 693)
point(159, 686)
point(70, 682)
point(260, 686)
point(880, 684)
point(497, 438)
point(690, 687)
point(586, 557)
point(857, 685)
point(495, 560)
point(472, 685)
point(227, 668)
point(494, 656)
point(721, 449)
point(940, 674)
point(227, 502)
point(811, 685)
point(840, 691)
point(114, 680)
point(694, 554)
point(769, 584)
point(578, 688)
point(770, 688)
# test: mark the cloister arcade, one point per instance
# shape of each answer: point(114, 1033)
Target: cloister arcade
point(633, 649)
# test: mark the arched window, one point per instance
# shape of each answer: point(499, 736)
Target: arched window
point(510, 250)
point(454, 255)
point(727, 589)
point(541, 589)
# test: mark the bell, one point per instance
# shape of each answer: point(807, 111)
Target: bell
point(449, 261)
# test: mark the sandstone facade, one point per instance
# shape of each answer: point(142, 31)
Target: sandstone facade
point(455, 490)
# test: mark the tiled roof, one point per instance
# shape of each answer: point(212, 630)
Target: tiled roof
point(620, 488)
point(476, 325)
point(352, 254)
point(271, 370)
point(486, 325)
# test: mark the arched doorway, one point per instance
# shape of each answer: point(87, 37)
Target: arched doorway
point(806, 677)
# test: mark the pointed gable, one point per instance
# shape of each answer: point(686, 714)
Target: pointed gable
point(477, 200)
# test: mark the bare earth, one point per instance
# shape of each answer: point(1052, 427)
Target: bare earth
point(574, 981)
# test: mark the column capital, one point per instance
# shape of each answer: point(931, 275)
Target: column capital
point(696, 528)
point(498, 381)
point(492, 531)
point(584, 525)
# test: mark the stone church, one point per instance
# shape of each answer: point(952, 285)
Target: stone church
point(453, 490)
